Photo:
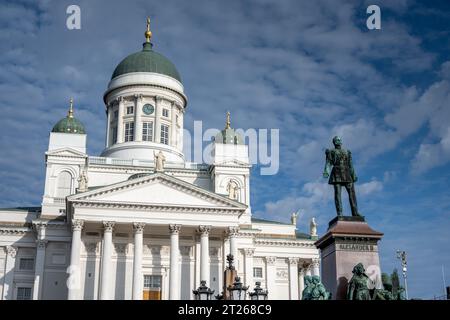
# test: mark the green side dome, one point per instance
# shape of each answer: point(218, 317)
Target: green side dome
point(147, 60)
point(69, 124)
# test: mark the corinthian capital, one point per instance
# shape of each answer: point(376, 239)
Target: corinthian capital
point(138, 227)
point(315, 262)
point(292, 261)
point(271, 260)
point(233, 231)
point(249, 252)
point(204, 230)
point(40, 244)
point(108, 226)
point(77, 225)
point(174, 228)
point(11, 251)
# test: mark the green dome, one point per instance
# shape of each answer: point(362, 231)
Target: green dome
point(69, 125)
point(146, 60)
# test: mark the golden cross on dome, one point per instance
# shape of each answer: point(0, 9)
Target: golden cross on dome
point(148, 33)
point(70, 115)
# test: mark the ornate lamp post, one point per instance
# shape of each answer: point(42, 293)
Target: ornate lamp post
point(203, 292)
point(258, 292)
point(237, 290)
point(402, 256)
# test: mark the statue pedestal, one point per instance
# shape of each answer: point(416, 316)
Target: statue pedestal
point(348, 241)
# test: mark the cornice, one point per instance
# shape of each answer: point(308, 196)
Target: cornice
point(283, 243)
point(154, 207)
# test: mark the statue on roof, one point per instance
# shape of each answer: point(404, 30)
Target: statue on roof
point(339, 161)
point(83, 181)
point(159, 161)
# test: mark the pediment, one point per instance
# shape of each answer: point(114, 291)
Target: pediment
point(157, 190)
point(65, 152)
point(232, 163)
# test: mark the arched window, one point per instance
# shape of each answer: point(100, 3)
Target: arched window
point(64, 186)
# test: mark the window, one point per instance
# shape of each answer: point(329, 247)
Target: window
point(114, 135)
point(152, 281)
point(130, 110)
point(165, 113)
point(257, 272)
point(23, 293)
point(129, 131)
point(147, 131)
point(116, 114)
point(164, 134)
point(64, 184)
point(26, 264)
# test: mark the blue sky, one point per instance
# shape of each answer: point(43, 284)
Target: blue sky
point(308, 68)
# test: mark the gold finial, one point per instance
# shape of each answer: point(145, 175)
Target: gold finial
point(228, 123)
point(148, 33)
point(70, 115)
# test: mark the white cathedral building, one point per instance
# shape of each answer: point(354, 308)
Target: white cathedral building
point(138, 221)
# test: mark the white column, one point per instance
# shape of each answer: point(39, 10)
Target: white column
point(197, 262)
point(180, 135)
point(138, 229)
point(137, 117)
point(173, 128)
point(301, 282)
point(158, 112)
point(316, 267)
point(120, 130)
point(204, 256)
point(270, 277)
point(108, 125)
point(39, 268)
point(74, 268)
point(106, 274)
point(249, 268)
point(40, 228)
point(8, 283)
point(293, 278)
point(174, 281)
point(233, 231)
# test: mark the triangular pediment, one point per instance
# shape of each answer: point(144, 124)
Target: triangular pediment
point(65, 152)
point(232, 163)
point(158, 190)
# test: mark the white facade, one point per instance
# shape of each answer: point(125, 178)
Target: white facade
point(156, 234)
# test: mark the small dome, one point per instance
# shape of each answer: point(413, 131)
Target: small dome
point(69, 124)
point(147, 60)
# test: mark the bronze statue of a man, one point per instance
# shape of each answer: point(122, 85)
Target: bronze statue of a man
point(339, 161)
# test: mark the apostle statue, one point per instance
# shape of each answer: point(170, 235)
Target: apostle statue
point(294, 216)
point(233, 190)
point(339, 161)
point(82, 181)
point(159, 161)
point(313, 227)
point(358, 286)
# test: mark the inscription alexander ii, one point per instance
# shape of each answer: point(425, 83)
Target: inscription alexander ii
point(356, 247)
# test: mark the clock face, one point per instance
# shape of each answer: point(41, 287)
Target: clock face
point(148, 109)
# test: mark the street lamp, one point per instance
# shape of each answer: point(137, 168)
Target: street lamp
point(237, 290)
point(203, 292)
point(402, 256)
point(258, 292)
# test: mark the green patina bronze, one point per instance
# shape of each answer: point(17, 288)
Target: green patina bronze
point(147, 60)
point(358, 286)
point(339, 162)
point(314, 289)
